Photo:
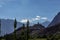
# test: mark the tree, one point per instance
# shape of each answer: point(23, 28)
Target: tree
point(0, 29)
point(0, 26)
point(22, 36)
point(38, 22)
point(15, 25)
point(28, 30)
point(23, 27)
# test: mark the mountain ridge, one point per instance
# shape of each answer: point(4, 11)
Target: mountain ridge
point(56, 20)
point(46, 23)
point(7, 26)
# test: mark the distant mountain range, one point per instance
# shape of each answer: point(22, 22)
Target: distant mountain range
point(7, 26)
point(46, 23)
point(39, 29)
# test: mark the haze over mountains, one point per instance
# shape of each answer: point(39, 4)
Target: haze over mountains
point(46, 23)
point(7, 26)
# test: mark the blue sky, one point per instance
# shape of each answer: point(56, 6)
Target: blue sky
point(34, 10)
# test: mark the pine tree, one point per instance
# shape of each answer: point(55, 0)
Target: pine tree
point(0, 29)
point(22, 37)
point(28, 30)
point(23, 27)
point(38, 22)
point(15, 25)
point(0, 26)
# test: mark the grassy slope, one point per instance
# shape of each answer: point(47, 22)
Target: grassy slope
point(39, 39)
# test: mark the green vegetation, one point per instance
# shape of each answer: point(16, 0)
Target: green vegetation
point(39, 39)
